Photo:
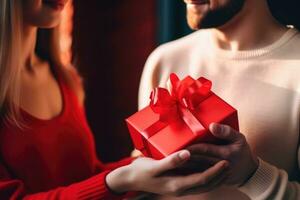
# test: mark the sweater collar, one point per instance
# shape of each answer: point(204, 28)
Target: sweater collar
point(248, 54)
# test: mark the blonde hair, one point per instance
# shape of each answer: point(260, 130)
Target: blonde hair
point(47, 47)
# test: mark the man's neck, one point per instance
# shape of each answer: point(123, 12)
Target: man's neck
point(254, 27)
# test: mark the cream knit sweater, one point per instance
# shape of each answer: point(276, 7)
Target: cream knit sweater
point(263, 85)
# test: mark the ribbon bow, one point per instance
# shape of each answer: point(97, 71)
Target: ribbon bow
point(183, 98)
point(180, 103)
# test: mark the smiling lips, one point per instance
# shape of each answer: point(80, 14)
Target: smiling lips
point(56, 4)
point(197, 2)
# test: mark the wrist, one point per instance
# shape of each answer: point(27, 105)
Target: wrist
point(263, 180)
point(252, 171)
point(254, 167)
point(118, 180)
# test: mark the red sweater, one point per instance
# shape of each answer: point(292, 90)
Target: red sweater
point(53, 159)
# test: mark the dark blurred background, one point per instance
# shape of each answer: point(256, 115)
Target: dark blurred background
point(111, 42)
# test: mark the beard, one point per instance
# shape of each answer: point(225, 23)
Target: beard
point(216, 18)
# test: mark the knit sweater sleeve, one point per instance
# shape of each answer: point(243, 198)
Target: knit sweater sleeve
point(89, 189)
point(269, 182)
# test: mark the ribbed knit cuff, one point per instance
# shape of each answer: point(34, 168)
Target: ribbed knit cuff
point(262, 182)
point(94, 188)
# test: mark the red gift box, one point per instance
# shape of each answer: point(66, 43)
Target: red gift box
point(178, 118)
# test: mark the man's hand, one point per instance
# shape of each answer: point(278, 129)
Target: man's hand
point(242, 162)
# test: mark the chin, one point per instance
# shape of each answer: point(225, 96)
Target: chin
point(43, 15)
point(194, 22)
point(45, 23)
point(48, 24)
point(193, 25)
point(43, 19)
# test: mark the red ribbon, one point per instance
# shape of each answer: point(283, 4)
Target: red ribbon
point(180, 103)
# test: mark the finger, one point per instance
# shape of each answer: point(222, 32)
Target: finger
point(203, 159)
point(136, 153)
point(172, 161)
point(224, 132)
point(213, 184)
point(212, 150)
point(201, 179)
point(195, 165)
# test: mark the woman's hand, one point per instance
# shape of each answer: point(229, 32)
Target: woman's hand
point(242, 162)
point(147, 175)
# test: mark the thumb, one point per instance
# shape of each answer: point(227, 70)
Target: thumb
point(223, 132)
point(172, 161)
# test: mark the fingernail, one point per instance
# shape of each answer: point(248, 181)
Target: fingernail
point(225, 164)
point(215, 128)
point(184, 155)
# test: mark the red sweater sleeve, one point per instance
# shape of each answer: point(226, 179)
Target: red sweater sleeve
point(90, 189)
